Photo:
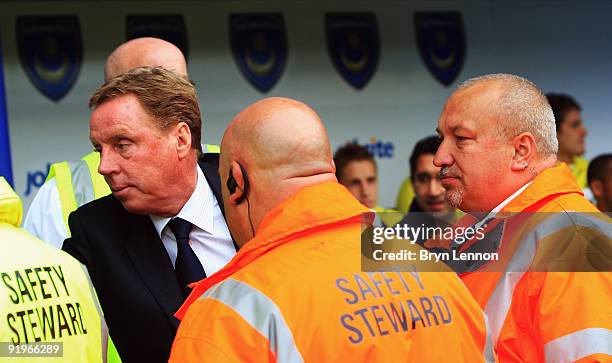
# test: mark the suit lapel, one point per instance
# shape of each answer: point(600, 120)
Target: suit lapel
point(153, 264)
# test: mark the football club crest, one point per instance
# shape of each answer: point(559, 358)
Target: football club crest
point(354, 45)
point(441, 41)
point(259, 45)
point(51, 52)
point(170, 28)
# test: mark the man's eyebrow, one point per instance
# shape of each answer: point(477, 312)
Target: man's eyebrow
point(455, 128)
point(464, 129)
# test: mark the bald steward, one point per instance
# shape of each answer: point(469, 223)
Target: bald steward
point(141, 52)
point(282, 146)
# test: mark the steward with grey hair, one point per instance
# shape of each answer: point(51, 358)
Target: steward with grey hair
point(497, 130)
point(549, 281)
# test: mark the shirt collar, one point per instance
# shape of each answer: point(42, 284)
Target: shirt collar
point(510, 198)
point(492, 214)
point(197, 210)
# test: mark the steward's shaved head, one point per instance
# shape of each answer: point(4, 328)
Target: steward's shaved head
point(145, 52)
point(283, 146)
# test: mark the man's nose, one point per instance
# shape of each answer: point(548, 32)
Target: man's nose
point(443, 156)
point(365, 190)
point(108, 164)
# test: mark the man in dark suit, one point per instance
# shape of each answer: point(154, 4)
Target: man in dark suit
point(162, 228)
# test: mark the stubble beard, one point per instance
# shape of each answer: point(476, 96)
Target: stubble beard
point(454, 197)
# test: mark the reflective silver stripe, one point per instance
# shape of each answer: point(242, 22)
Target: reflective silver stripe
point(261, 313)
point(559, 221)
point(81, 183)
point(578, 345)
point(489, 356)
point(499, 303)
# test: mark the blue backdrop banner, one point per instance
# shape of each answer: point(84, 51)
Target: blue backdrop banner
point(6, 169)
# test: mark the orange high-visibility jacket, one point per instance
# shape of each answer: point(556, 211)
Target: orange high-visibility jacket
point(549, 314)
point(295, 293)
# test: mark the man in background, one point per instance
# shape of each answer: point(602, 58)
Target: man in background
point(295, 291)
point(429, 207)
point(599, 176)
point(570, 135)
point(425, 178)
point(356, 169)
point(70, 185)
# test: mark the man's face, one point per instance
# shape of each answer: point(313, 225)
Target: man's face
point(607, 189)
point(359, 177)
point(474, 160)
point(428, 189)
point(602, 190)
point(136, 159)
point(571, 134)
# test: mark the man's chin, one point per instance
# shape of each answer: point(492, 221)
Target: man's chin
point(454, 198)
point(437, 207)
point(134, 208)
point(445, 215)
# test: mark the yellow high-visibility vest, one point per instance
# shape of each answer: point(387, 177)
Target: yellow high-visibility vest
point(80, 183)
point(405, 196)
point(579, 169)
point(390, 217)
point(45, 294)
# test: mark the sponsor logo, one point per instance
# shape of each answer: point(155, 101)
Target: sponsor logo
point(35, 179)
point(259, 46)
point(441, 42)
point(51, 52)
point(354, 45)
point(378, 148)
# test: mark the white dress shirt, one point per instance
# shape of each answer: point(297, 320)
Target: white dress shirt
point(209, 238)
point(45, 218)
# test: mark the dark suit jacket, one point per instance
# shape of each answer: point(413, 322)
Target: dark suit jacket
point(132, 273)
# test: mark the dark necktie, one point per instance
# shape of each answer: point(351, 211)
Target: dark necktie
point(188, 268)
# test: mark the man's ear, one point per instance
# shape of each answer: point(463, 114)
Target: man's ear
point(235, 183)
point(597, 188)
point(183, 139)
point(524, 151)
point(334, 168)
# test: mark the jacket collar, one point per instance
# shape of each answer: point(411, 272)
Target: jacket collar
point(551, 182)
point(309, 208)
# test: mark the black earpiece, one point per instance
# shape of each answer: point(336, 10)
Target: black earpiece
point(232, 185)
